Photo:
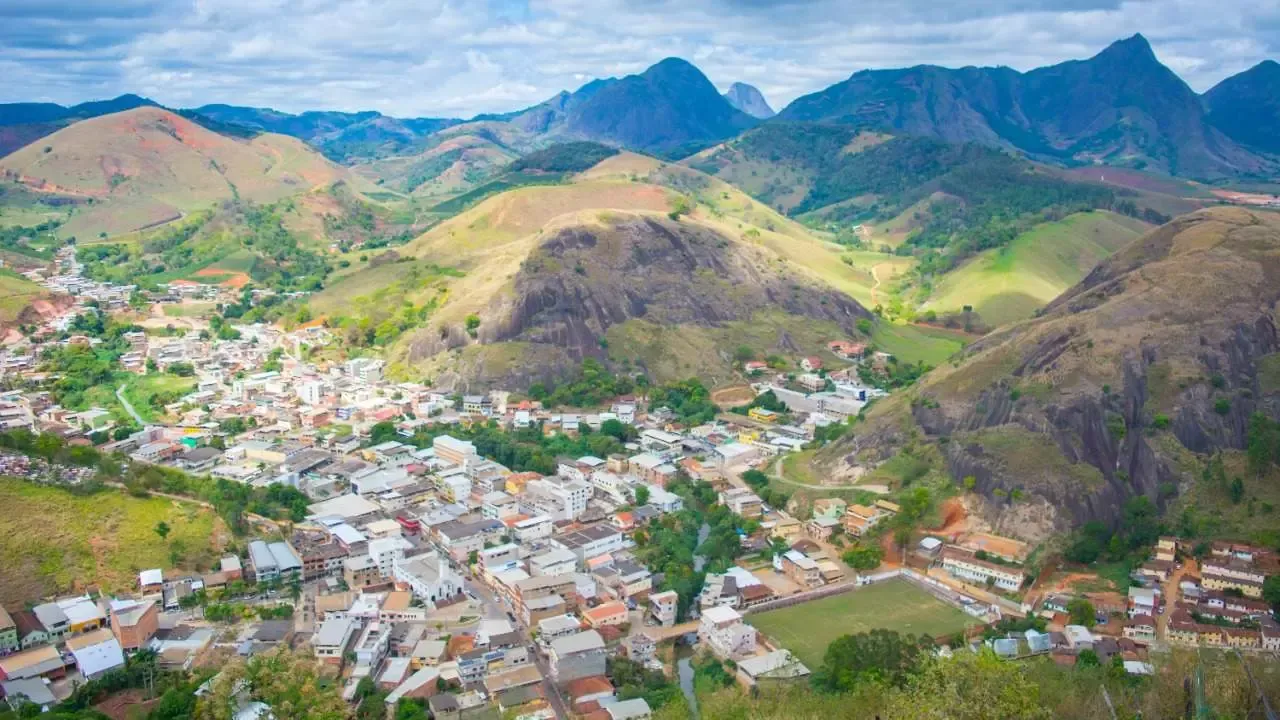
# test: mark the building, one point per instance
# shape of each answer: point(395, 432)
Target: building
point(577, 656)
point(429, 577)
point(38, 662)
point(96, 653)
point(1140, 629)
point(742, 501)
point(557, 626)
point(8, 633)
point(361, 571)
point(964, 565)
point(333, 638)
point(273, 561)
point(134, 623)
point(724, 632)
point(557, 561)
point(591, 541)
point(776, 666)
point(802, 570)
point(664, 606)
point(606, 614)
point(563, 498)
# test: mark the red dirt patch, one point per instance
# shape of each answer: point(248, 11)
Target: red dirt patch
point(125, 705)
point(733, 395)
point(955, 518)
point(234, 278)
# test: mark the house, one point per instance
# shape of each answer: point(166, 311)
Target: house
point(760, 414)
point(742, 502)
point(134, 623)
point(641, 648)
point(1140, 629)
point(28, 690)
point(821, 528)
point(38, 662)
point(9, 640)
point(811, 363)
point(724, 632)
point(607, 614)
point(633, 709)
point(775, 666)
point(332, 639)
point(858, 519)
point(802, 570)
point(663, 607)
point(96, 653)
point(577, 656)
point(151, 582)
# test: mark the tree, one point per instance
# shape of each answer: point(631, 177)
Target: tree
point(969, 686)
point(755, 478)
point(642, 495)
point(1088, 658)
point(1271, 592)
point(743, 353)
point(473, 557)
point(1082, 612)
point(287, 681)
point(879, 655)
point(162, 529)
point(863, 557)
point(1236, 490)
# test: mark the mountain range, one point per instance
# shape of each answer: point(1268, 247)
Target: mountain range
point(1120, 107)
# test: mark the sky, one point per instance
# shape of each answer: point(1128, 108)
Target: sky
point(437, 58)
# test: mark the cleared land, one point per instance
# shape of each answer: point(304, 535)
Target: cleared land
point(1011, 283)
point(53, 541)
point(915, 343)
point(806, 629)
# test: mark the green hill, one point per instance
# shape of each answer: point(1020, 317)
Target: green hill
point(1011, 283)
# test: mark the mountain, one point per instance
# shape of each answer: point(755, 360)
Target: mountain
point(667, 108)
point(1119, 107)
point(749, 100)
point(148, 166)
point(24, 123)
point(1121, 387)
point(343, 137)
point(1246, 106)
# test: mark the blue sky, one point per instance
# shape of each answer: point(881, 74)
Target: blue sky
point(432, 57)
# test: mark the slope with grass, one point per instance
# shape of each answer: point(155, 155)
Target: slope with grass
point(18, 298)
point(149, 166)
point(1158, 357)
point(1013, 282)
point(55, 541)
point(456, 164)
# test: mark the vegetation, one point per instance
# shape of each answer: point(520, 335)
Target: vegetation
point(287, 681)
point(564, 158)
point(593, 386)
point(809, 628)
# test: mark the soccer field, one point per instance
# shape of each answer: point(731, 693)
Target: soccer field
point(807, 628)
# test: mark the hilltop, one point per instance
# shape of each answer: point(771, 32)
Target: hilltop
point(1160, 355)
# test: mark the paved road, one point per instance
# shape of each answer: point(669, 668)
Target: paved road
point(127, 407)
point(497, 608)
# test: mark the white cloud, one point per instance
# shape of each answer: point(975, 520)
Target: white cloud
point(435, 57)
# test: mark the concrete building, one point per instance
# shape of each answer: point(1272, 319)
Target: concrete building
point(577, 656)
point(724, 632)
point(429, 577)
point(333, 638)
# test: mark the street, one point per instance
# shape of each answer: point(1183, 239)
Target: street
point(495, 608)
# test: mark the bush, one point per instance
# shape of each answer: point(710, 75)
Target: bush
point(1222, 406)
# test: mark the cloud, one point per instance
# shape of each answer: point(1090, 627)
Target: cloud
point(441, 57)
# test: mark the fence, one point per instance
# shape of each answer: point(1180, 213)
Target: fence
point(934, 587)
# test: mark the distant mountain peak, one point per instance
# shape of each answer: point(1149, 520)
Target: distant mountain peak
point(749, 100)
point(1133, 48)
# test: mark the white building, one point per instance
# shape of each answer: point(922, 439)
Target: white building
point(723, 630)
point(386, 552)
point(567, 498)
point(429, 577)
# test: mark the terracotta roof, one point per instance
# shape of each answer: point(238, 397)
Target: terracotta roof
point(590, 685)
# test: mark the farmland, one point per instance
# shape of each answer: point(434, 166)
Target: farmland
point(54, 541)
point(806, 629)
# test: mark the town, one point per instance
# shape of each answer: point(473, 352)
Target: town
point(417, 567)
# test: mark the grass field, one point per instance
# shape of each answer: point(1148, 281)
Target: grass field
point(806, 629)
point(913, 343)
point(16, 293)
point(1012, 283)
point(141, 389)
point(54, 541)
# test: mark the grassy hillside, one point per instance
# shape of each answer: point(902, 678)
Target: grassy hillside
point(55, 541)
point(453, 166)
point(148, 166)
point(16, 295)
point(1011, 283)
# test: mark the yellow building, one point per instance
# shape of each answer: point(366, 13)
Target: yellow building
point(761, 415)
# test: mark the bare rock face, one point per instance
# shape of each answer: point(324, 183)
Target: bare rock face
point(749, 100)
point(1162, 349)
point(584, 279)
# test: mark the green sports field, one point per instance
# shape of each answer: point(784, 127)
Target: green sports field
point(806, 629)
